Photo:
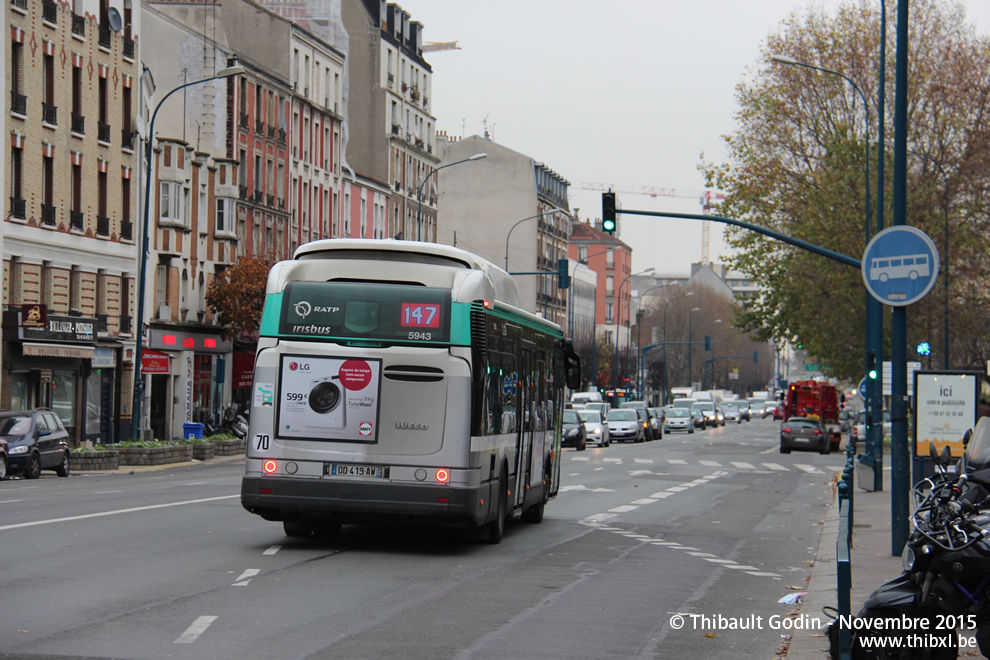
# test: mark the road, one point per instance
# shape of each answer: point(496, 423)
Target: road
point(167, 564)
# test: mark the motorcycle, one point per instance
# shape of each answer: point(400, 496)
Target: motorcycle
point(945, 585)
point(233, 422)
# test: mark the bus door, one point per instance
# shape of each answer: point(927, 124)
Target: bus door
point(527, 422)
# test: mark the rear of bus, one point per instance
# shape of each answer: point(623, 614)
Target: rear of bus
point(362, 390)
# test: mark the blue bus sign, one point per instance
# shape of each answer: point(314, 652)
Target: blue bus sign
point(900, 265)
point(862, 389)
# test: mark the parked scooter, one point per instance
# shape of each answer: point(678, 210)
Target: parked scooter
point(946, 560)
point(233, 422)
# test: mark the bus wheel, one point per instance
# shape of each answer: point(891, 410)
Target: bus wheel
point(296, 529)
point(496, 528)
point(534, 514)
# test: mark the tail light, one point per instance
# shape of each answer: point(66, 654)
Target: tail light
point(443, 475)
point(785, 430)
point(271, 467)
point(817, 432)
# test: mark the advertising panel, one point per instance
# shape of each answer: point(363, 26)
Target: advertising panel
point(328, 398)
point(947, 406)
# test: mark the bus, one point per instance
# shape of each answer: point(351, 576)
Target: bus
point(400, 381)
point(911, 266)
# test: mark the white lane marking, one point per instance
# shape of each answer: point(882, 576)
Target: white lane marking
point(197, 628)
point(662, 494)
point(701, 554)
point(716, 560)
point(564, 489)
point(596, 518)
point(645, 461)
point(635, 536)
point(676, 461)
point(676, 489)
point(645, 500)
point(580, 458)
point(573, 474)
point(247, 574)
point(625, 508)
point(9, 501)
point(703, 480)
point(613, 460)
point(602, 490)
point(770, 451)
point(761, 574)
point(670, 544)
point(808, 468)
point(744, 568)
point(272, 550)
point(197, 483)
point(107, 492)
point(118, 511)
point(742, 465)
point(710, 463)
point(639, 473)
point(775, 466)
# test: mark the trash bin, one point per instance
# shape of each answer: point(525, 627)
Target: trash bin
point(192, 430)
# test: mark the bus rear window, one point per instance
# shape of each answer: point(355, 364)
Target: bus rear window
point(389, 312)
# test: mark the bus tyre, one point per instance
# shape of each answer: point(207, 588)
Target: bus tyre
point(534, 514)
point(296, 529)
point(496, 528)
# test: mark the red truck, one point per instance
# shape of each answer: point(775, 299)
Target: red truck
point(811, 398)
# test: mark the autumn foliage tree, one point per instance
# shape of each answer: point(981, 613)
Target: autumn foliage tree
point(797, 163)
point(237, 296)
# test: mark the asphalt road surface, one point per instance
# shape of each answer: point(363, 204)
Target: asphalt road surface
point(167, 564)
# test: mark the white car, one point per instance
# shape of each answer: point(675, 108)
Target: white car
point(678, 419)
point(624, 424)
point(859, 429)
point(595, 428)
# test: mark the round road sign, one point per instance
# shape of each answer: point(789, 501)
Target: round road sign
point(900, 265)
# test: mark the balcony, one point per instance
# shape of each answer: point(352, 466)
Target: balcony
point(127, 139)
point(77, 220)
point(271, 132)
point(102, 132)
point(243, 193)
point(125, 324)
point(18, 208)
point(105, 37)
point(270, 200)
point(259, 127)
point(78, 124)
point(102, 322)
point(244, 121)
point(49, 114)
point(259, 196)
point(48, 215)
point(78, 25)
point(49, 11)
point(280, 203)
point(281, 136)
point(396, 128)
point(102, 226)
point(18, 103)
point(129, 48)
point(127, 231)
point(19, 4)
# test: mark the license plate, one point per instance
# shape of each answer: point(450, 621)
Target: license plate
point(802, 439)
point(339, 470)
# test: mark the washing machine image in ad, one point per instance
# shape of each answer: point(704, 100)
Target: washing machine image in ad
point(327, 404)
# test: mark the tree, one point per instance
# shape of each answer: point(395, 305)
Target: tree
point(237, 295)
point(797, 165)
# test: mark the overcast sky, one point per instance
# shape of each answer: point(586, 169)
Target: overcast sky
point(624, 92)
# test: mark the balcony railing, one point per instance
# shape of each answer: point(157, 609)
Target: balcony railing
point(127, 230)
point(270, 200)
point(243, 192)
point(78, 124)
point(105, 36)
point(78, 25)
point(49, 11)
point(18, 208)
point(102, 322)
point(47, 214)
point(128, 48)
point(259, 127)
point(258, 196)
point(18, 103)
point(20, 4)
point(77, 219)
point(244, 121)
point(127, 139)
point(103, 132)
point(281, 135)
point(271, 132)
point(49, 114)
point(102, 226)
point(125, 324)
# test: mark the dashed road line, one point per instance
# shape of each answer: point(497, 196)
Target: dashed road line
point(580, 458)
point(272, 550)
point(197, 628)
point(625, 508)
point(676, 461)
point(710, 463)
point(775, 466)
point(742, 465)
point(9, 501)
point(811, 469)
point(617, 461)
point(644, 461)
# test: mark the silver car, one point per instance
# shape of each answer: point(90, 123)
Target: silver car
point(596, 428)
point(678, 419)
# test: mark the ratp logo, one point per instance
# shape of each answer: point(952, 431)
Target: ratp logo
point(303, 309)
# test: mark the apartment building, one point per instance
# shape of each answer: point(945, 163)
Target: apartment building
point(611, 260)
point(71, 205)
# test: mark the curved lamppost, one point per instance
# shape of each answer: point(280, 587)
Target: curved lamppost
point(419, 189)
point(143, 254)
point(519, 222)
point(618, 318)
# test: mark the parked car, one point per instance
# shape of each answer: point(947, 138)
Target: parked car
point(3, 459)
point(778, 411)
point(574, 433)
point(678, 419)
point(595, 429)
point(36, 441)
point(625, 424)
point(660, 414)
point(710, 412)
point(804, 433)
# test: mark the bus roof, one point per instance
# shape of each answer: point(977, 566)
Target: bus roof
point(389, 249)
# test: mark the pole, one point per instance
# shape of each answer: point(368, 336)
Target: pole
point(874, 310)
point(419, 190)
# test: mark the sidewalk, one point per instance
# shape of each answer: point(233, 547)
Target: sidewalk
point(872, 565)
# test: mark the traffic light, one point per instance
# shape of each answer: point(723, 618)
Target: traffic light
point(924, 348)
point(708, 342)
point(608, 212)
point(871, 365)
point(563, 276)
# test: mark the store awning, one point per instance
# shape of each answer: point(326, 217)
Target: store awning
point(56, 350)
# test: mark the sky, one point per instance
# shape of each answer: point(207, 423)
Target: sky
point(633, 93)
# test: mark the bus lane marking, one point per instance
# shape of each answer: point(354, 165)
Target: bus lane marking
point(245, 578)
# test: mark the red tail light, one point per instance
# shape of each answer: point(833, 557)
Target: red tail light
point(270, 467)
point(785, 430)
point(817, 432)
point(443, 476)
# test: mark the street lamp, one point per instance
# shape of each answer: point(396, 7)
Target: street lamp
point(618, 318)
point(227, 72)
point(532, 217)
point(665, 356)
point(691, 346)
point(419, 190)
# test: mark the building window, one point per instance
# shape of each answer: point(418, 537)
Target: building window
point(608, 285)
point(170, 202)
point(47, 190)
point(608, 312)
point(225, 218)
point(610, 258)
point(78, 120)
point(18, 206)
point(49, 111)
point(18, 100)
point(126, 226)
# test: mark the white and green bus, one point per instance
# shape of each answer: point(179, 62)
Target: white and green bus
point(399, 381)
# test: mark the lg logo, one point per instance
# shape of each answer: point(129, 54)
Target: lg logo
point(295, 366)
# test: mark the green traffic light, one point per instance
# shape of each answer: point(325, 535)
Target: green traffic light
point(873, 374)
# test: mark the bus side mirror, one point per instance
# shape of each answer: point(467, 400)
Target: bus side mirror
point(572, 365)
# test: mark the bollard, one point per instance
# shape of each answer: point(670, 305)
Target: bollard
point(844, 570)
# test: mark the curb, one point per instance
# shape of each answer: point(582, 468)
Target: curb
point(131, 469)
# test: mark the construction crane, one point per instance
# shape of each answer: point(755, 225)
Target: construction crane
point(704, 197)
point(433, 46)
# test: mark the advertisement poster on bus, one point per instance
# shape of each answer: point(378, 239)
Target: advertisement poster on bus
point(328, 398)
point(947, 406)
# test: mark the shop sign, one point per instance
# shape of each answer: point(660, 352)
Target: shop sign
point(34, 316)
point(153, 362)
point(61, 328)
point(104, 357)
